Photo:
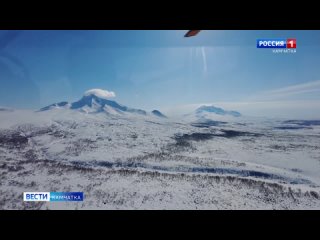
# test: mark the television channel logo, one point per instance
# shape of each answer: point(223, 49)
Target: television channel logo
point(53, 196)
point(288, 43)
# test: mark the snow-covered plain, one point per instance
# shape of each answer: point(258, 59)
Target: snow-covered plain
point(132, 161)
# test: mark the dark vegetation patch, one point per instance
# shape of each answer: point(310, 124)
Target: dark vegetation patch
point(298, 124)
point(12, 139)
point(33, 131)
point(293, 147)
point(31, 155)
point(11, 167)
point(207, 124)
point(279, 147)
point(292, 127)
point(205, 181)
point(194, 137)
point(303, 122)
point(233, 133)
point(207, 136)
point(183, 142)
point(161, 155)
point(183, 169)
point(268, 190)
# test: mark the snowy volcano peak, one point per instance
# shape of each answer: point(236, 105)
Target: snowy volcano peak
point(95, 101)
point(216, 110)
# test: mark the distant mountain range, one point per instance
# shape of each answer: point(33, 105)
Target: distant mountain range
point(95, 102)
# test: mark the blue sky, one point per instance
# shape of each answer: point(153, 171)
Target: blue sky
point(160, 69)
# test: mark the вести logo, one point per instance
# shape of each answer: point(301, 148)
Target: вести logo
point(52, 196)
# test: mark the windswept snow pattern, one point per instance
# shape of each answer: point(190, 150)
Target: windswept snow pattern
point(142, 161)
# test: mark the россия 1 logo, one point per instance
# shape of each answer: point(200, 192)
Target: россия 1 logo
point(277, 43)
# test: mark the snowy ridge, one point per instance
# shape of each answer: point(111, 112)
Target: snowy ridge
point(158, 114)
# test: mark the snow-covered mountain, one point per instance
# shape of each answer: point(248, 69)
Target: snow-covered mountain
point(216, 110)
point(211, 114)
point(96, 101)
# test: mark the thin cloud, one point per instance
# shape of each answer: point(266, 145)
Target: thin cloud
point(289, 92)
point(100, 93)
